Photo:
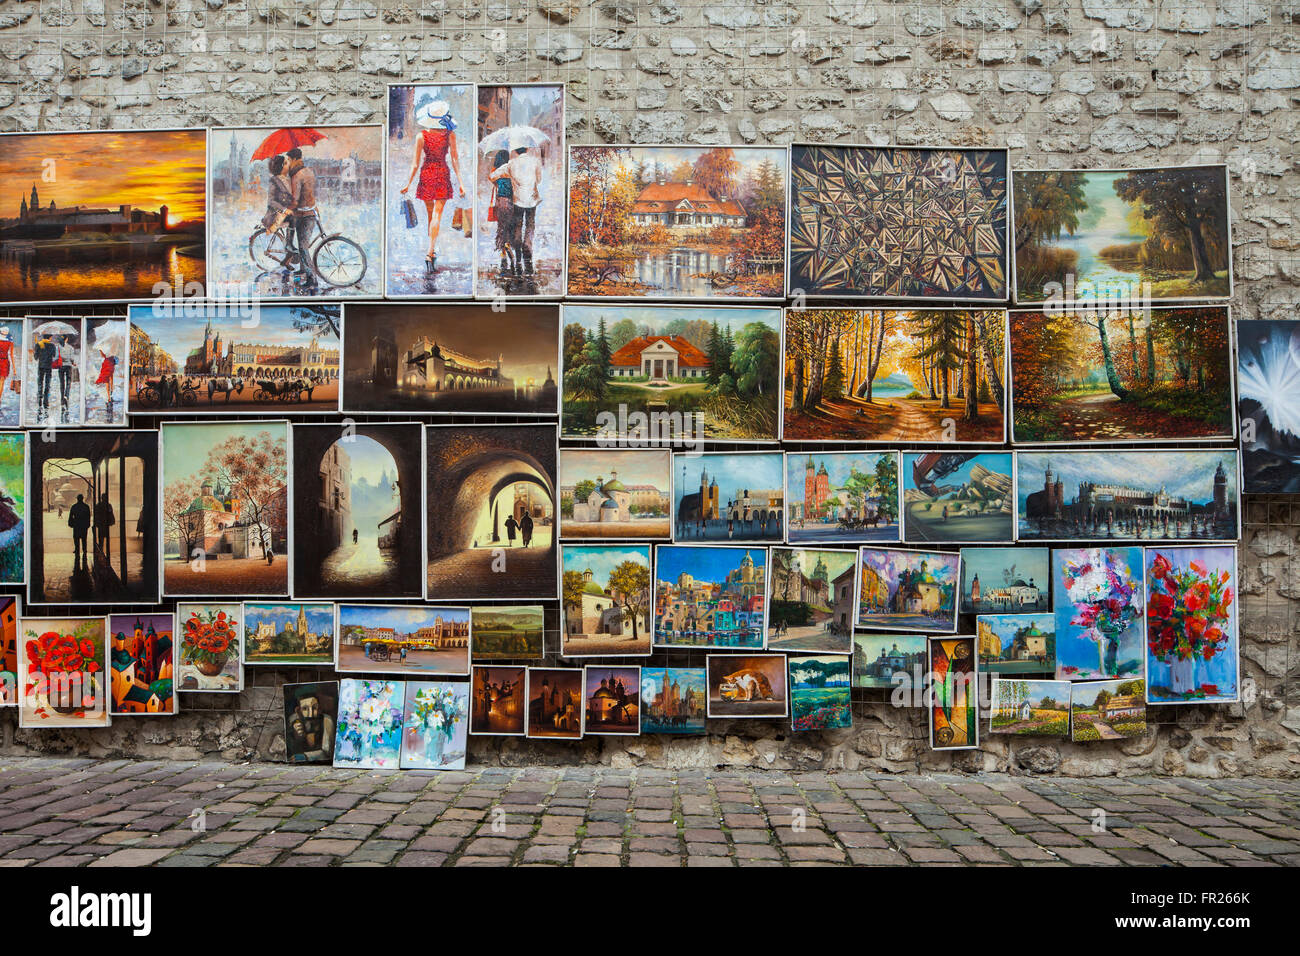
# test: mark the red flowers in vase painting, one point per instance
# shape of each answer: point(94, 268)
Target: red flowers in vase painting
point(64, 672)
point(1190, 623)
point(211, 638)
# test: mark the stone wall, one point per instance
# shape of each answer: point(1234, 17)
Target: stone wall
point(1061, 82)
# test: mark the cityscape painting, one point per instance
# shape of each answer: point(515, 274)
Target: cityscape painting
point(142, 663)
point(904, 590)
point(1030, 708)
point(498, 701)
point(555, 705)
point(1107, 710)
point(836, 497)
point(287, 633)
point(953, 694)
point(1098, 603)
point(613, 700)
point(612, 493)
point(1193, 652)
point(415, 640)
point(1005, 580)
point(675, 700)
point(886, 661)
point(1016, 643)
point(958, 497)
point(747, 686)
point(709, 596)
point(820, 693)
point(812, 600)
point(729, 496)
point(605, 593)
point(1268, 371)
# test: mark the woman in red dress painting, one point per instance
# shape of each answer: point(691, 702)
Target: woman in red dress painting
point(107, 367)
point(6, 361)
point(434, 147)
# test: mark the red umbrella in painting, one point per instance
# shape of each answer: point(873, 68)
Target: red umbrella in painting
point(283, 140)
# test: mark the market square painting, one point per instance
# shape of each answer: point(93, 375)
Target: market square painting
point(464, 359)
point(296, 211)
point(8, 650)
point(63, 673)
point(1268, 379)
point(836, 497)
point(895, 375)
point(675, 700)
point(225, 509)
point(613, 699)
point(93, 531)
point(1122, 235)
point(285, 632)
point(611, 493)
point(709, 596)
point(52, 372)
point(729, 496)
point(1156, 495)
point(671, 373)
point(677, 221)
point(499, 701)
point(812, 600)
point(953, 694)
point(605, 597)
point(1119, 375)
point(885, 661)
point(435, 725)
point(507, 632)
point(211, 647)
point(105, 371)
point(1005, 580)
point(311, 715)
point(1193, 651)
point(820, 693)
point(416, 640)
point(899, 223)
point(227, 359)
point(958, 497)
point(747, 686)
point(429, 190)
point(1108, 710)
point(908, 590)
point(13, 507)
point(1016, 643)
point(102, 215)
point(369, 730)
point(12, 358)
point(555, 706)
point(490, 523)
point(520, 196)
point(142, 663)
point(1098, 603)
point(1030, 708)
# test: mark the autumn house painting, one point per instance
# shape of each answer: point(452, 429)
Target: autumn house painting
point(1153, 235)
point(1152, 374)
point(895, 375)
point(677, 221)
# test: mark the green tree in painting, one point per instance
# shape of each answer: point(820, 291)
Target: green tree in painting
point(587, 380)
point(757, 359)
point(887, 486)
point(943, 332)
point(1179, 204)
point(1047, 204)
point(631, 581)
point(834, 386)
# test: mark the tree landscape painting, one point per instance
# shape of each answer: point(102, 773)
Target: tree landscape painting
point(895, 375)
point(820, 692)
point(1268, 405)
point(961, 497)
point(1136, 235)
point(1152, 374)
point(677, 221)
point(1030, 708)
point(1107, 710)
point(1192, 646)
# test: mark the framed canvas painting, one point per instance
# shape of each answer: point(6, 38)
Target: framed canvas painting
point(710, 596)
point(1005, 580)
point(958, 498)
point(1193, 648)
point(369, 730)
point(954, 694)
point(498, 701)
point(885, 661)
point(1108, 710)
point(555, 706)
point(143, 663)
point(1268, 368)
point(507, 632)
point(64, 678)
point(842, 497)
point(904, 590)
point(311, 715)
point(9, 609)
point(616, 494)
point(812, 600)
point(1030, 708)
point(729, 496)
point(416, 640)
point(13, 507)
point(52, 372)
point(282, 632)
point(747, 685)
point(211, 648)
point(12, 358)
point(1097, 599)
point(1016, 643)
point(612, 700)
point(435, 725)
point(605, 598)
point(105, 371)
point(820, 692)
point(674, 700)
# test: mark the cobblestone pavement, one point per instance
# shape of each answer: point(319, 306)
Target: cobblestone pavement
point(72, 812)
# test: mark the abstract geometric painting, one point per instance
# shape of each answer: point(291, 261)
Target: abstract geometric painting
point(898, 223)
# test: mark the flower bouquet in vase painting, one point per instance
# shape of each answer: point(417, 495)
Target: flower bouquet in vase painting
point(211, 640)
point(63, 675)
point(370, 721)
point(1188, 614)
point(1101, 590)
point(434, 713)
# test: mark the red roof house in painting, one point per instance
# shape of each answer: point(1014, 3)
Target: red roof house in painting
point(659, 356)
point(685, 206)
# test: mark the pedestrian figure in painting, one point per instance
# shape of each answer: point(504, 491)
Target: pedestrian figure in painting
point(511, 527)
point(279, 196)
point(6, 360)
point(436, 144)
point(45, 352)
point(354, 536)
point(526, 528)
point(503, 212)
point(64, 360)
point(302, 187)
point(107, 369)
point(525, 174)
point(79, 522)
point(104, 521)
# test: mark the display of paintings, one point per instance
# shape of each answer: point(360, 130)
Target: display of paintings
point(820, 694)
point(8, 650)
point(357, 524)
point(729, 496)
point(1097, 601)
point(612, 698)
point(102, 215)
point(674, 700)
point(812, 600)
point(369, 734)
point(1098, 374)
point(958, 497)
point(555, 705)
point(13, 507)
point(491, 512)
point(64, 677)
point(887, 661)
point(895, 375)
point(1017, 643)
point(520, 197)
point(416, 640)
point(52, 372)
point(677, 221)
point(142, 663)
point(105, 371)
point(226, 508)
point(1268, 386)
point(898, 222)
point(311, 715)
point(605, 597)
point(1157, 495)
point(466, 359)
point(616, 493)
point(953, 694)
point(753, 685)
point(211, 647)
point(1193, 653)
point(908, 590)
point(429, 188)
point(499, 701)
point(671, 373)
point(1031, 708)
point(842, 496)
point(435, 725)
point(94, 537)
point(231, 359)
point(1005, 580)
point(507, 632)
point(1108, 710)
point(288, 633)
point(709, 596)
point(12, 358)
point(260, 243)
point(1122, 235)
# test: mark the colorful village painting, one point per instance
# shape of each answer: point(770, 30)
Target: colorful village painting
point(605, 592)
point(1016, 643)
point(842, 497)
point(1005, 580)
point(812, 600)
point(709, 596)
point(1030, 708)
point(616, 493)
point(1107, 710)
point(908, 590)
point(143, 663)
point(675, 700)
point(958, 498)
point(1268, 368)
